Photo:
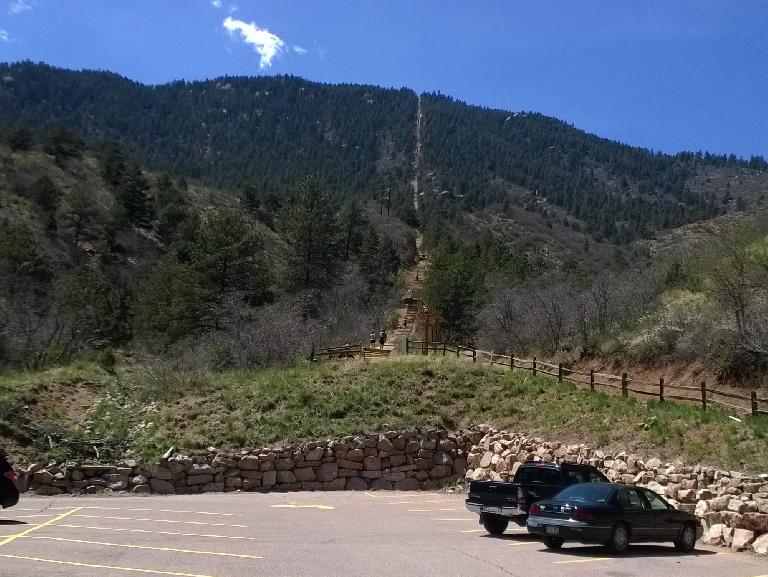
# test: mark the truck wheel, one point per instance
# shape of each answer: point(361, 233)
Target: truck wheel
point(553, 542)
point(495, 525)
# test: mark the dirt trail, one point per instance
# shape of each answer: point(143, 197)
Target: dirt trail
point(417, 158)
point(409, 303)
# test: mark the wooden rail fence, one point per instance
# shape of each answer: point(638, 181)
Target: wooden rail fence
point(348, 352)
point(702, 394)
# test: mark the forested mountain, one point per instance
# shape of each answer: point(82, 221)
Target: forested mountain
point(480, 159)
point(270, 131)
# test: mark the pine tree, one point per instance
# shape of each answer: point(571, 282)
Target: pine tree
point(133, 195)
point(20, 139)
point(352, 223)
point(312, 233)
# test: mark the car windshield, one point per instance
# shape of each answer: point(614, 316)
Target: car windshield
point(586, 493)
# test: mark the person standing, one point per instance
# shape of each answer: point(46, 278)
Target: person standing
point(372, 338)
point(382, 338)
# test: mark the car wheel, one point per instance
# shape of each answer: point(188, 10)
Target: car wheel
point(495, 525)
point(553, 542)
point(687, 539)
point(619, 541)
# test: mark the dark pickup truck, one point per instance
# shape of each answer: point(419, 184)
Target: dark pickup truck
point(498, 502)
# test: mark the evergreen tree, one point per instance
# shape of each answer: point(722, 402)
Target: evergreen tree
point(47, 197)
point(112, 162)
point(20, 139)
point(171, 302)
point(312, 233)
point(352, 223)
point(226, 252)
point(134, 198)
point(61, 143)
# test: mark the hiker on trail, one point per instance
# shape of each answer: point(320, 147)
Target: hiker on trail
point(373, 340)
point(382, 338)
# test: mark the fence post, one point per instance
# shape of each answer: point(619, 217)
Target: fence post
point(458, 350)
point(592, 379)
point(474, 355)
point(511, 361)
point(753, 401)
point(661, 389)
point(424, 346)
point(559, 372)
point(624, 390)
point(407, 345)
point(534, 366)
point(312, 353)
point(445, 346)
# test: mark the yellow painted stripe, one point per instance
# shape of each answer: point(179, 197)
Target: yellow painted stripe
point(432, 510)
point(148, 532)
point(370, 494)
point(457, 519)
point(522, 543)
point(146, 510)
point(115, 518)
point(128, 546)
point(582, 560)
point(94, 566)
point(473, 531)
point(40, 526)
point(295, 506)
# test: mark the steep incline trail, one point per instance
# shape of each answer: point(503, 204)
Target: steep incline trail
point(417, 158)
point(409, 304)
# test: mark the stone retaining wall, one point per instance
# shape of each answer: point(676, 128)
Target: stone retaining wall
point(401, 460)
point(732, 506)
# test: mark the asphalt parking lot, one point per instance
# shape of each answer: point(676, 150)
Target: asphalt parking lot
point(309, 534)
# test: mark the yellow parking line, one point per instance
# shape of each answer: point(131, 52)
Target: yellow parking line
point(473, 531)
point(114, 518)
point(582, 560)
point(128, 546)
point(522, 543)
point(370, 494)
point(296, 506)
point(94, 566)
point(147, 531)
point(432, 510)
point(145, 510)
point(457, 519)
point(40, 526)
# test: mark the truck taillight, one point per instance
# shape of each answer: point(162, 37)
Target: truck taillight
point(535, 509)
point(581, 515)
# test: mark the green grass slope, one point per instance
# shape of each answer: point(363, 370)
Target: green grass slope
point(250, 408)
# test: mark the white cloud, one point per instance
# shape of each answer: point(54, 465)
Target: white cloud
point(233, 8)
point(299, 50)
point(262, 40)
point(216, 3)
point(4, 37)
point(19, 6)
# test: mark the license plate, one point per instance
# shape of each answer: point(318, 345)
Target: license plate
point(494, 510)
point(552, 530)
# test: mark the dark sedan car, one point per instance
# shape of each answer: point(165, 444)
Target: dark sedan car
point(614, 515)
point(9, 494)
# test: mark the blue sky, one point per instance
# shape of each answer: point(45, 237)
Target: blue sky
point(665, 74)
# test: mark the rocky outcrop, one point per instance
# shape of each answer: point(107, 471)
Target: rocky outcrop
point(732, 506)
